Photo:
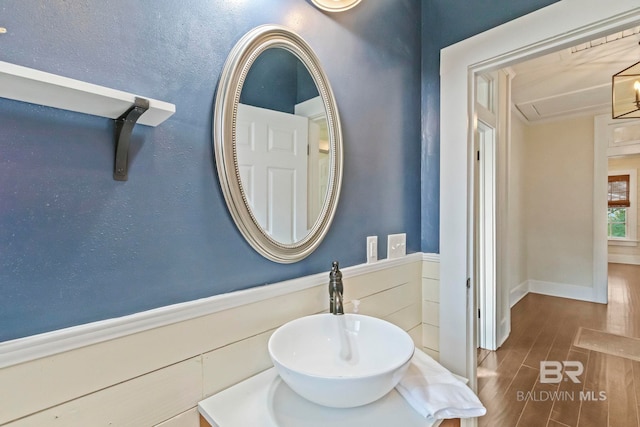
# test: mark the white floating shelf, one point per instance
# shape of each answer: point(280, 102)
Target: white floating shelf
point(37, 87)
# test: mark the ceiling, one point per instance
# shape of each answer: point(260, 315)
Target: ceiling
point(573, 81)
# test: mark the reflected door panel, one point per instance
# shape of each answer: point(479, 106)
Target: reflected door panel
point(272, 157)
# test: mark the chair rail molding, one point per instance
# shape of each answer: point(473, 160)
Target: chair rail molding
point(50, 343)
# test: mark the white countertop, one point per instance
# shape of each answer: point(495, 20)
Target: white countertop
point(264, 400)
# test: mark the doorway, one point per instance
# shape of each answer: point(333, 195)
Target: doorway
point(491, 134)
point(492, 50)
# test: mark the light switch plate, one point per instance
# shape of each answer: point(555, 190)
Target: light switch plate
point(372, 249)
point(396, 245)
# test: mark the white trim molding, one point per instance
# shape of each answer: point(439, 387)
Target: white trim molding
point(562, 290)
point(623, 242)
point(518, 293)
point(624, 259)
point(431, 257)
point(47, 344)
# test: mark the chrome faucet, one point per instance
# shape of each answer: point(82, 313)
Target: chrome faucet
point(336, 302)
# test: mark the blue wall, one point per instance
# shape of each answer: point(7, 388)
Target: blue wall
point(445, 22)
point(277, 80)
point(76, 246)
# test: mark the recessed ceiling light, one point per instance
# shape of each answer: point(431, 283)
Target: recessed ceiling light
point(335, 5)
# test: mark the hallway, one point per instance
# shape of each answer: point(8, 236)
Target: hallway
point(544, 328)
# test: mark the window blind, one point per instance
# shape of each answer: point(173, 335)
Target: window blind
point(619, 191)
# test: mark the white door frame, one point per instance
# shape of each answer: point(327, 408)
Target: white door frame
point(487, 280)
point(559, 25)
point(493, 258)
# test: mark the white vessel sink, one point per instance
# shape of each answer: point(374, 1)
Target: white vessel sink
point(341, 361)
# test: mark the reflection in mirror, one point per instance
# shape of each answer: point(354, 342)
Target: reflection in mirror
point(278, 143)
point(282, 145)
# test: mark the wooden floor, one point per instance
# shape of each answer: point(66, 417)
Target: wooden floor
point(544, 328)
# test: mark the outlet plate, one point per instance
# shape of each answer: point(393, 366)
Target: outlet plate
point(396, 245)
point(372, 249)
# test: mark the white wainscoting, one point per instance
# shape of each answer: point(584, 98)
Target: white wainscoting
point(151, 368)
point(431, 305)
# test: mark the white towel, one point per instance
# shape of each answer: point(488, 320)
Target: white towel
point(435, 392)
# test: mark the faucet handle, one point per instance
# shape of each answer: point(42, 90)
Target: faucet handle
point(335, 273)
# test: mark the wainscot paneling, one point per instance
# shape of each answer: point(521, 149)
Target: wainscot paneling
point(156, 376)
point(142, 401)
point(431, 305)
point(187, 418)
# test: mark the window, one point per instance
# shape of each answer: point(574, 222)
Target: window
point(621, 218)
point(617, 223)
point(618, 198)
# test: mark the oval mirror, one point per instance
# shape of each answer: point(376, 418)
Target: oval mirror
point(277, 143)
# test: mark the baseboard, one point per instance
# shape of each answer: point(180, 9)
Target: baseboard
point(518, 293)
point(624, 259)
point(563, 290)
point(49, 343)
point(504, 331)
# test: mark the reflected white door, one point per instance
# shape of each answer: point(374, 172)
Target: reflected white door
point(272, 159)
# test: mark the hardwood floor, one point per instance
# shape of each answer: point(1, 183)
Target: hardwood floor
point(543, 328)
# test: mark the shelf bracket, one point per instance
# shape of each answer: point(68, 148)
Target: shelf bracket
point(124, 128)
